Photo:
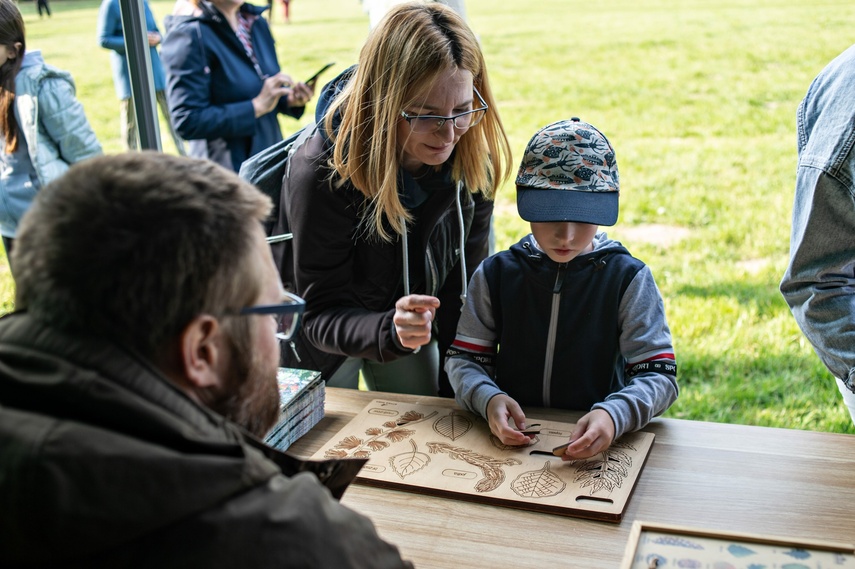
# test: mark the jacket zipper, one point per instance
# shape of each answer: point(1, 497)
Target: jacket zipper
point(550, 338)
point(432, 286)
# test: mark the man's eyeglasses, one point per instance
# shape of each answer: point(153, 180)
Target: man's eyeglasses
point(287, 314)
point(426, 124)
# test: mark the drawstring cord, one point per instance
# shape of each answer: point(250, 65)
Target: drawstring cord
point(405, 250)
point(406, 257)
point(462, 250)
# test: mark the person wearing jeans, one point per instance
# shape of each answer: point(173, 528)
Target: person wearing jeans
point(819, 283)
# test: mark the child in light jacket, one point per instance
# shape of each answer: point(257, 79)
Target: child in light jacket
point(43, 127)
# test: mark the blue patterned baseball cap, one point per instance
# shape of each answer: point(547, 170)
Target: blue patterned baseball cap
point(568, 173)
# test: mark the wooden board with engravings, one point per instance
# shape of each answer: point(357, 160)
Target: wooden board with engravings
point(448, 452)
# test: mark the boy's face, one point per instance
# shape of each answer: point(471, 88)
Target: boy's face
point(562, 241)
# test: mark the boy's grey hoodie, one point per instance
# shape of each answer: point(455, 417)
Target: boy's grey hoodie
point(566, 320)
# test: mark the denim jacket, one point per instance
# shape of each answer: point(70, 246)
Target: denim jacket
point(819, 284)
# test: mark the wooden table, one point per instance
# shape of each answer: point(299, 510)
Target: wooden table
point(798, 484)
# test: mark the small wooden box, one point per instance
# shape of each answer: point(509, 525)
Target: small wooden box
point(660, 545)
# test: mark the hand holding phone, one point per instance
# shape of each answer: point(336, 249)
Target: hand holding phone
point(313, 79)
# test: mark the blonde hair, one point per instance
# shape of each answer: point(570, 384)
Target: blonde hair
point(401, 59)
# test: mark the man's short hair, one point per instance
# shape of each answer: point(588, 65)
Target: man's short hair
point(132, 247)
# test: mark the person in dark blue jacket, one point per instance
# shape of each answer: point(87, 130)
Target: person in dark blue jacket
point(224, 84)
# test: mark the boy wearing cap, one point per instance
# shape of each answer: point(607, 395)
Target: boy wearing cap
point(567, 317)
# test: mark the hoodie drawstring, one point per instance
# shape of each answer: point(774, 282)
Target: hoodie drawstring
point(461, 251)
point(406, 256)
point(405, 252)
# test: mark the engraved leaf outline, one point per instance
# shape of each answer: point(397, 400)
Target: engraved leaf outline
point(376, 445)
point(606, 473)
point(397, 434)
point(408, 463)
point(358, 448)
point(541, 483)
point(412, 417)
point(349, 443)
point(452, 426)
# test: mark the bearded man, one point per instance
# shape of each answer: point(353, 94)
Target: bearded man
point(137, 373)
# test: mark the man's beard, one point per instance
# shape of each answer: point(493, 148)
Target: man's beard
point(250, 397)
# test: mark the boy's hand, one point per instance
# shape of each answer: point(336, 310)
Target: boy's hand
point(594, 433)
point(499, 409)
point(413, 318)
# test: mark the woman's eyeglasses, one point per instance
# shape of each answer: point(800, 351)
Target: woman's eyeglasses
point(287, 314)
point(426, 124)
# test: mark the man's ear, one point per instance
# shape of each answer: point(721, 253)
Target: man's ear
point(202, 352)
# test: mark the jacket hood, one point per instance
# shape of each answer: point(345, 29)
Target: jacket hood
point(98, 448)
point(209, 11)
point(32, 57)
point(209, 14)
point(171, 21)
point(528, 249)
point(328, 93)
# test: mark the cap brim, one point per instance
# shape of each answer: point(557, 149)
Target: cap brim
point(541, 205)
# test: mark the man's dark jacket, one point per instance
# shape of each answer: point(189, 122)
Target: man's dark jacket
point(105, 463)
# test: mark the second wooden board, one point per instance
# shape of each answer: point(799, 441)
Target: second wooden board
point(449, 452)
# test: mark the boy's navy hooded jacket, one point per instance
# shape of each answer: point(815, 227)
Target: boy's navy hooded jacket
point(211, 82)
point(587, 334)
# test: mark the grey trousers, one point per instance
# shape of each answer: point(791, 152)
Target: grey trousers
point(128, 121)
point(417, 374)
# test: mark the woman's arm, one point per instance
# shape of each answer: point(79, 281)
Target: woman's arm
point(110, 34)
point(325, 223)
point(189, 88)
point(265, 51)
point(64, 120)
point(819, 284)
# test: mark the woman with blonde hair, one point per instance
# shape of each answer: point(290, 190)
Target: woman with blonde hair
point(389, 203)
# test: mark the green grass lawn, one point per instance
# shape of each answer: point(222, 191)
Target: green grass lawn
point(698, 99)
